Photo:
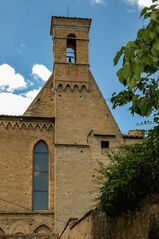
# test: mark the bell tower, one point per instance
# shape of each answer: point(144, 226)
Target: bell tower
point(71, 77)
point(70, 36)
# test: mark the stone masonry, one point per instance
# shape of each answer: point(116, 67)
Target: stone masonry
point(142, 223)
point(71, 116)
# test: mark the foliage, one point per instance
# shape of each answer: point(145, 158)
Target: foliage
point(132, 175)
point(140, 67)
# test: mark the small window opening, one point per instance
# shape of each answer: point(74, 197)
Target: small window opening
point(104, 145)
point(71, 49)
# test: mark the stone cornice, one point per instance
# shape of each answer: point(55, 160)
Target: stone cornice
point(25, 122)
point(65, 38)
point(73, 145)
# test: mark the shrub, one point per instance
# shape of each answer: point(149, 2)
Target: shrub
point(133, 174)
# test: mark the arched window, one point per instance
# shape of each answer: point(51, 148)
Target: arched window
point(40, 182)
point(71, 49)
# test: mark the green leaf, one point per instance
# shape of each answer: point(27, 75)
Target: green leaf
point(144, 10)
point(118, 55)
point(156, 44)
point(155, 16)
point(145, 111)
point(129, 55)
point(126, 71)
point(152, 7)
point(140, 32)
point(154, 52)
point(152, 35)
point(133, 81)
point(142, 103)
point(131, 44)
point(138, 68)
point(157, 28)
point(135, 99)
point(147, 15)
point(140, 65)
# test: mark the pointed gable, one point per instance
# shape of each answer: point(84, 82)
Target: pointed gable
point(43, 104)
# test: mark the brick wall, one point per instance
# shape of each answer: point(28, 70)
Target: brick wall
point(17, 140)
point(43, 104)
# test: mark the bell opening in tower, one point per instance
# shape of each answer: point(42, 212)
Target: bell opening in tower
point(71, 49)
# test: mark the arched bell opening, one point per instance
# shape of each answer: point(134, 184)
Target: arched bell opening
point(71, 49)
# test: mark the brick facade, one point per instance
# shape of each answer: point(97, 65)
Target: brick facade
point(72, 118)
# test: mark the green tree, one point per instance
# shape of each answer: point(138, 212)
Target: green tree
point(140, 68)
point(133, 173)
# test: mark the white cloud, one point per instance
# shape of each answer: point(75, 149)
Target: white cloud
point(140, 3)
point(32, 94)
point(9, 79)
point(13, 104)
point(102, 2)
point(41, 71)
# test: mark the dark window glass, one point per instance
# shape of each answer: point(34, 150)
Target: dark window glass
point(40, 187)
point(40, 181)
point(40, 200)
point(104, 144)
point(40, 162)
point(40, 147)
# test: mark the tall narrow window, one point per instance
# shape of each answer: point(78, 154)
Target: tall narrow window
point(71, 49)
point(40, 187)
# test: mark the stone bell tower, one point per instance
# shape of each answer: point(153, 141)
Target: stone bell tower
point(71, 78)
point(70, 37)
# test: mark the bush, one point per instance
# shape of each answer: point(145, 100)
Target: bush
point(132, 175)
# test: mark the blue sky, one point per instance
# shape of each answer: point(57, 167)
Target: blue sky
point(26, 59)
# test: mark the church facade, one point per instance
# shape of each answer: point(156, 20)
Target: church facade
point(48, 156)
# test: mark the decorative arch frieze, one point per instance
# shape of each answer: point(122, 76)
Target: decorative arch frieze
point(75, 87)
point(42, 229)
point(72, 86)
point(18, 229)
point(67, 87)
point(7, 124)
point(84, 88)
point(60, 87)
